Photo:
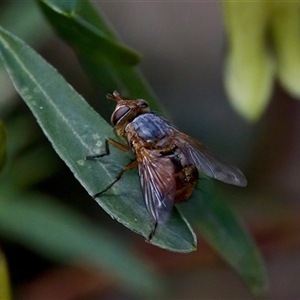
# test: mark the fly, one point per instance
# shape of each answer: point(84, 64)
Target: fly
point(167, 159)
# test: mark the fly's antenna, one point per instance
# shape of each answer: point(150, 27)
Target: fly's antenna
point(115, 96)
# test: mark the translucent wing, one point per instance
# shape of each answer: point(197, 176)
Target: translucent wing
point(207, 163)
point(158, 185)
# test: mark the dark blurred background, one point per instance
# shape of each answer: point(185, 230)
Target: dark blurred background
point(183, 45)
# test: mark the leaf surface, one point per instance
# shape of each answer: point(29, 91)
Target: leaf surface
point(63, 235)
point(75, 131)
point(226, 234)
point(110, 65)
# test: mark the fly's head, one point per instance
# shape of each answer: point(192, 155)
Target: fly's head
point(126, 111)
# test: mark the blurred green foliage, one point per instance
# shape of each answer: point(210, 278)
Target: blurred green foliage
point(75, 130)
point(263, 42)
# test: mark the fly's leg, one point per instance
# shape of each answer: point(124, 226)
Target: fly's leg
point(108, 141)
point(131, 165)
point(150, 236)
point(120, 146)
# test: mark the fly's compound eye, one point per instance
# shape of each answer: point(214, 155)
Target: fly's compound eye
point(142, 103)
point(119, 114)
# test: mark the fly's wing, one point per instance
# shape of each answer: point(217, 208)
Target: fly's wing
point(200, 156)
point(158, 185)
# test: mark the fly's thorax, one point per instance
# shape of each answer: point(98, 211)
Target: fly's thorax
point(150, 127)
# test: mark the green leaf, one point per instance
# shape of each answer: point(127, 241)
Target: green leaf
point(57, 232)
point(226, 234)
point(69, 19)
point(109, 64)
point(75, 131)
point(29, 19)
point(285, 24)
point(249, 67)
point(2, 144)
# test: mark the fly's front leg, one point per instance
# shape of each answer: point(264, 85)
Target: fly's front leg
point(120, 146)
point(108, 141)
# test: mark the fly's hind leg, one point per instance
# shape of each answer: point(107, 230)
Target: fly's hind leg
point(150, 236)
point(120, 146)
point(131, 165)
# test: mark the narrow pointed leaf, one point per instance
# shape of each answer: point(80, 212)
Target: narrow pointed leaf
point(57, 232)
point(249, 68)
point(69, 20)
point(107, 62)
point(285, 23)
point(75, 131)
point(226, 234)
